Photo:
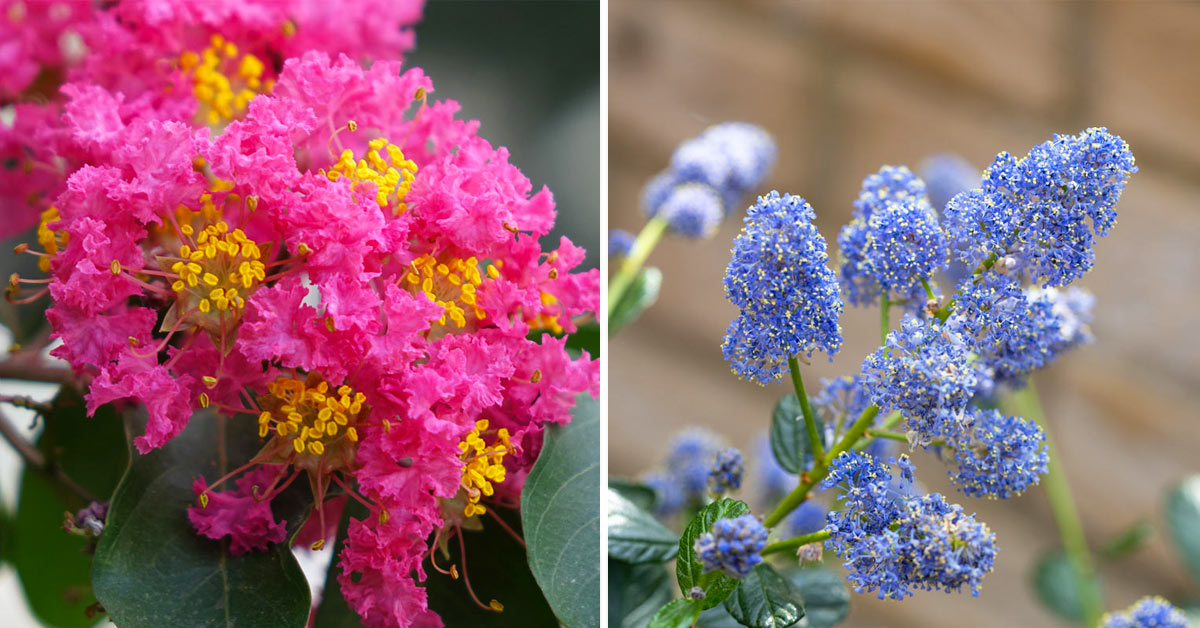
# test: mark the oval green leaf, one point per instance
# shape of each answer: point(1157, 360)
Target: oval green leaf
point(763, 599)
point(789, 438)
point(677, 614)
point(826, 597)
point(1057, 587)
point(151, 569)
point(634, 535)
point(642, 293)
point(636, 592)
point(689, 571)
point(560, 511)
point(641, 495)
point(1183, 521)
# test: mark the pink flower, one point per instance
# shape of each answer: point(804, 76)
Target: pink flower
point(238, 514)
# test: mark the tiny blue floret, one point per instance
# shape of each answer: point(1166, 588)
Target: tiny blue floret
point(734, 546)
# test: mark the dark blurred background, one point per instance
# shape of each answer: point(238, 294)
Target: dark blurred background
point(847, 87)
point(529, 71)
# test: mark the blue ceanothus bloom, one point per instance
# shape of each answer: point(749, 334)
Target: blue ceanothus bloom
point(684, 480)
point(787, 295)
point(734, 546)
point(895, 542)
point(1148, 612)
point(893, 241)
point(725, 474)
point(692, 210)
point(620, 243)
point(998, 456)
point(946, 175)
point(1040, 215)
point(731, 159)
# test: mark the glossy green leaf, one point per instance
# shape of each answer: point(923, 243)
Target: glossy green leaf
point(718, 617)
point(333, 612)
point(560, 510)
point(636, 592)
point(789, 436)
point(634, 535)
point(52, 565)
point(677, 614)
point(764, 599)
point(826, 596)
point(689, 571)
point(151, 568)
point(641, 495)
point(497, 569)
point(1183, 521)
point(1128, 541)
point(1056, 586)
point(586, 338)
point(642, 293)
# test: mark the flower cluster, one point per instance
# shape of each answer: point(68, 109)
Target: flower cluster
point(1148, 612)
point(787, 295)
point(733, 546)
point(684, 478)
point(725, 475)
point(894, 543)
point(318, 249)
point(893, 242)
point(708, 177)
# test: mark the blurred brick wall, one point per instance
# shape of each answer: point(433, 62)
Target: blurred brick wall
point(847, 87)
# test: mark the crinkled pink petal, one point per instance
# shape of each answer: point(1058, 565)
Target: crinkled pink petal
point(247, 522)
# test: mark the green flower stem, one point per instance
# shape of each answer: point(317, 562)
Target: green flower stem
point(884, 321)
point(797, 542)
point(928, 289)
point(891, 421)
point(944, 312)
point(821, 467)
point(646, 240)
point(1066, 515)
point(810, 421)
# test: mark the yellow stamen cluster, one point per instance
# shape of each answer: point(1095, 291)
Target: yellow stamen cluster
point(484, 465)
point(52, 241)
point(310, 413)
point(392, 177)
point(450, 284)
point(544, 320)
point(221, 98)
point(222, 269)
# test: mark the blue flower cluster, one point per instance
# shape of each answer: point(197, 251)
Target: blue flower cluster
point(1148, 612)
point(894, 543)
point(925, 371)
point(1046, 209)
point(998, 456)
point(684, 479)
point(727, 161)
point(773, 481)
point(620, 243)
point(725, 475)
point(734, 545)
point(893, 241)
point(787, 295)
point(947, 175)
point(1011, 334)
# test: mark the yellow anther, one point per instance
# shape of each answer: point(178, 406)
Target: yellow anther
point(209, 381)
point(536, 377)
point(205, 306)
point(115, 267)
point(393, 178)
point(496, 606)
point(493, 272)
point(352, 125)
point(204, 400)
point(204, 499)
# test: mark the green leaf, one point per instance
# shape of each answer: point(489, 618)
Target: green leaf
point(718, 617)
point(677, 614)
point(1183, 521)
point(689, 571)
point(763, 599)
point(152, 569)
point(1127, 541)
point(27, 319)
point(636, 592)
point(641, 495)
point(826, 597)
point(497, 569)
point(560, 513)
point(789, 436)
point(642, 293)
point(586, 338)
point(92, 452)
point(1056, 586)
point(634, 535)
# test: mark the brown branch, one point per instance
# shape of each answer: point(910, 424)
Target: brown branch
point(31, 368)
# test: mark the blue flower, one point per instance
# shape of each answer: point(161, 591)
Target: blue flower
point(1044, 211)
point(1148, 612)
point(657, 190)
point(773, 480)
point(787, 295)
point(924, 371)
point(841, 399)
point(725, 475)
point(946, 175)
point(620, 243)
point(670, 495)
point(692, 210)
point(1073, 308)
point(684, 480)
point(868, 504)
point(893, 241)
point(733, 158)
point(998, 456)
point(734, 545)
point(807, 518)
point(1012, 334)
